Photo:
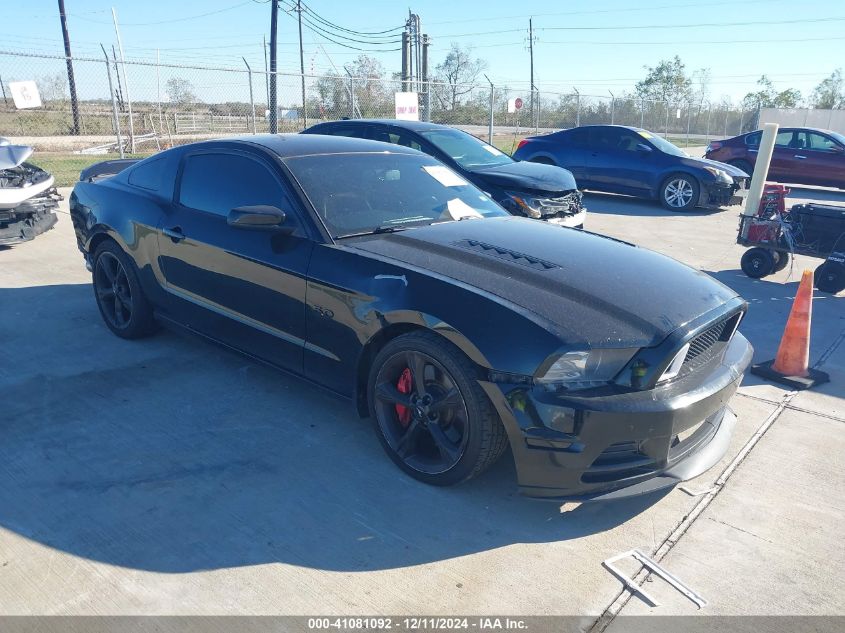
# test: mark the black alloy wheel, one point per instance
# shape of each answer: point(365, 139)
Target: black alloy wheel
point(113, 293)
point(119, 296)
point(432, 418)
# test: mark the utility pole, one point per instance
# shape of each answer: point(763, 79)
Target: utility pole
point(74, 103)
point(302, 63)
point(266, 74)
point(406, 49)
point(531, 53)
point(274, 20)
point(426, 42)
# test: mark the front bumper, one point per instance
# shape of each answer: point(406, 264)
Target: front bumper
point(574, 220)
point(29, 219)
point(721, 194)
point(620, 445)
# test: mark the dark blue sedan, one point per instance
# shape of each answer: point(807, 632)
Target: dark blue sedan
point(632, 161)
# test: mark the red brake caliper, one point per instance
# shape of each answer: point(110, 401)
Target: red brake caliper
point(404, 386)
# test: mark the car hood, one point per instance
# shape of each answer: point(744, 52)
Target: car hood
point(732, 171)
point(525, 175)
point(13, 155)
point(590, 289)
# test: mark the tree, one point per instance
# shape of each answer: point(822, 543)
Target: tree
point(180, 91)
point(368, 85)
point(667, 82)
point(459, 71)
point(767, 96)
point(830, 93)
point(52, 87)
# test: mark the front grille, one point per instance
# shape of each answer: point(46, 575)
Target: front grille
point(567, 204)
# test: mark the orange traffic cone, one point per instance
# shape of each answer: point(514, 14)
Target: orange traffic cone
point(791, 366)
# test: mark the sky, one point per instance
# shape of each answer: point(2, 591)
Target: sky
point(596, 46)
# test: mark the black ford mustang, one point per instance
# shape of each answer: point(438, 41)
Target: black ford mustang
point(379, 273)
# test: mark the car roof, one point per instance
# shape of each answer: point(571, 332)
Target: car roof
point(290, 145)
point(416, 126)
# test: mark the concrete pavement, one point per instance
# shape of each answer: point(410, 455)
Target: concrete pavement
point(167, 476)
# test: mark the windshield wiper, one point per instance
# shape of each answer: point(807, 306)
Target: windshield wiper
point(384, 228)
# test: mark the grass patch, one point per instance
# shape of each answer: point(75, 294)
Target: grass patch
point(66, 167)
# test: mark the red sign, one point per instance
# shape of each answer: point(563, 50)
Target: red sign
point(517, 103)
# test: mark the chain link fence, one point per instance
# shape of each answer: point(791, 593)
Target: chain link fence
point(141, 107)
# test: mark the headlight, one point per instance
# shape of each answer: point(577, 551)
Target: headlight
point(527, 204)
point(718, 174)
point(585, 369)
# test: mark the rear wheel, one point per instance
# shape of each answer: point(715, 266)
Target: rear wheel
point(782, 261)
point(757, 263)
point(679, 192)
point(744, 165)
point(830, 277)
point(119, 296)
point(432, 418)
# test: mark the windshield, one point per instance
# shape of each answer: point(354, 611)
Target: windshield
point(466, 150)
point(662, 144)
point(365, 193)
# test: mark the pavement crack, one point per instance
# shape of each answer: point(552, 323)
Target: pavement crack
point(739, 529)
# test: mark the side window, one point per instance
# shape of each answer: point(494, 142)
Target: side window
point(606, 139)
point(398, 137)
point(820, 142)
point(148, 175)
point(352, 131)
point(784, 139)
point(753, 139)
point(579, 136)
point(217, 183)
point(628, 142)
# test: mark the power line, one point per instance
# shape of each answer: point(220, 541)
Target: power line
point(341, 28)
point(691, 26)
point(183, 19)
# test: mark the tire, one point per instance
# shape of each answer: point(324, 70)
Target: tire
point(782, 261)
point(830, 277)
point(413, 435)
point(744, 165)
point(757, 263)
point(120, 298)
point(679, 192)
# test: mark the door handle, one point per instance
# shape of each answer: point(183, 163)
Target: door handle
point(753, 151)
point(798, 156)
point(174, 234)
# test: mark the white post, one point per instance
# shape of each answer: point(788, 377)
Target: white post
point(125, 82)
point(158, 88)
point(761, 168)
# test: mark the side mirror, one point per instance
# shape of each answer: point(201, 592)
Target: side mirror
point(643, 148)
point(260, 217)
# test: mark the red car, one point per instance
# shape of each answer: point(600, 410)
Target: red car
point(806, 156)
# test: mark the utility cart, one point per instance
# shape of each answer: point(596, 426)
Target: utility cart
point(774, 234)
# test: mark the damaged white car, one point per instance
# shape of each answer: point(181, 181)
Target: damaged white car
point(28, 199)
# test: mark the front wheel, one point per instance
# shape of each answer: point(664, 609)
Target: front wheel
point(679, 193)
point(432, 418)
point(830, 277)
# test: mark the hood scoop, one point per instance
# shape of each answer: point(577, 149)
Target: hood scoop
point(505, 254)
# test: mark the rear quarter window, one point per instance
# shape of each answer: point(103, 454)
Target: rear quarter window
point(149, 174)
point(753, 140)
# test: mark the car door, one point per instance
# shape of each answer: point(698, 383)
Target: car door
point(824, 162)
point(244, 287)
point(785, 166)
point(615, 164)
point(572, 152)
